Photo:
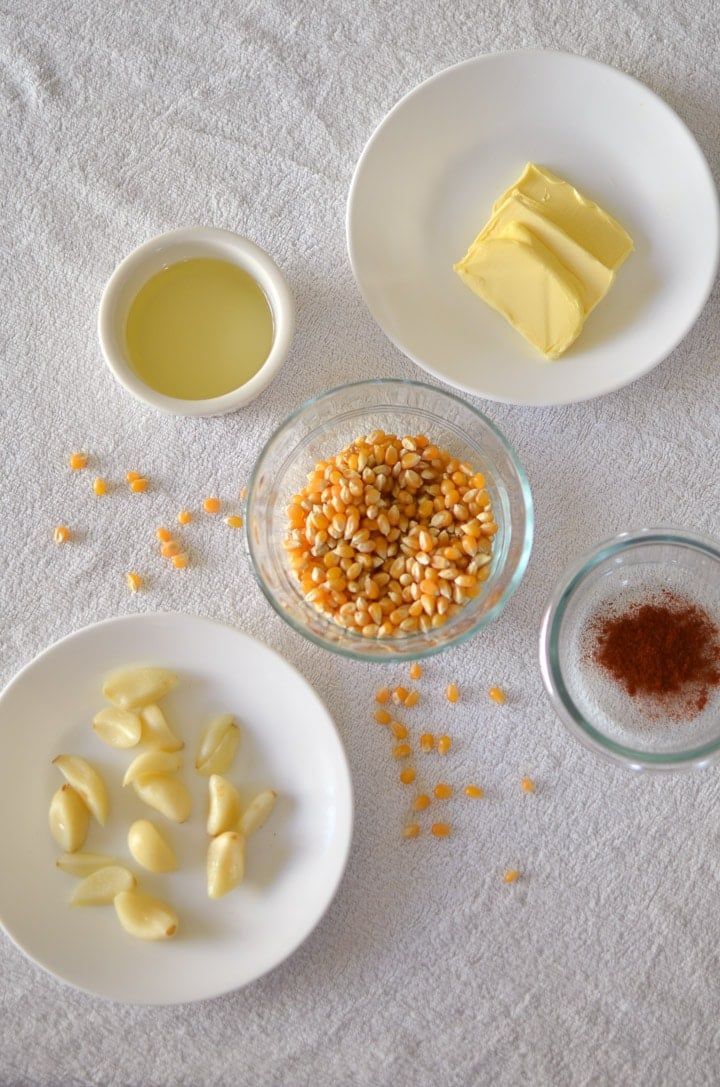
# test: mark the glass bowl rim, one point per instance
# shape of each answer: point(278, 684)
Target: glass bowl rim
point(559, 696)
point(405, 651)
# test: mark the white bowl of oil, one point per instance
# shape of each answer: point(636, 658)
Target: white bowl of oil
point(196, 321)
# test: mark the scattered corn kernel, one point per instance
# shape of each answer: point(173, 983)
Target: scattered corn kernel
point(134, 581)
point(511, 875)
point(407, 776)
point(78, 461)
point(61, 534)
point(382, 717)
point(443, 791)
point(411, 830)
point(184, 517)
point(170, 549)
point(440, 830)
point(138, 485)
point(402, 751)
point(234, 522)
point(452, 693)
point(180, 561)
point(383, 695)
point(211, 505)
point(243, 493)
point(527, 785)
point(427, 741)
point(474, 791)
point(415, 670)
point(444, 744)
point(399, 731)
point(99, 486)
point(132, 476)
point(399, 695)
point(412, 699)
point(498, 695)
point(163, 534)
point(421, 802)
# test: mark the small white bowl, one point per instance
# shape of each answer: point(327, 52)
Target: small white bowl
point(184, 244)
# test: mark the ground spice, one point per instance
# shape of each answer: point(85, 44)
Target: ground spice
point(665, 649)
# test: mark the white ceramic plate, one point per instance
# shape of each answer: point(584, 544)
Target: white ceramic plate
point(427, 179)
point(294, 864)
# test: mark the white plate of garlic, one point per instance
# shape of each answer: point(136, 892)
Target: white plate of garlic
point(178, 809)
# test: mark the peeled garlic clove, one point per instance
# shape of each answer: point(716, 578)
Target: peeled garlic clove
point(83, 864)
point(146, 917)
point(118, 728)
point(131, 688)
point(166, 795)
point(217, 747)
point(85, 779)
point(224, 805)
point(156, 732)
point(225, 863)
point(69, 818)
point(100, 888)
point(256, 814)
point(152, 762)
point(149, 848)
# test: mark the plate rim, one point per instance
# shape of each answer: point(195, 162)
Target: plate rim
point(348, 810)
point(480, 59)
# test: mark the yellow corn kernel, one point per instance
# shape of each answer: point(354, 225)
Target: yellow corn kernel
point(411, 830)
point(407, 776)
point(399, 731)
point(234, 521)
point(511, 875)
point(134, 581)
point(382, 717)
point(99, 486)
point(415, 670)
point(137, 486)
point(402, 751)
point(184, 517)
point(443, 791)
point(78, 461)
point(452, 693)
point(421, 802)
point(527, 785)
point(498, 695)
point(427, 741)
point(163, 534)
point(474, 791)
point(383, 695)
point(444, 744)
point(180, 561)
point(440, 830)
point(211, 505)
point(412, 699)
point(170, 549)
point(132, 476)
point(399, 695)
point(61, 534)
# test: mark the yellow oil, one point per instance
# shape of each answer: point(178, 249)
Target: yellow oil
point(198, 329)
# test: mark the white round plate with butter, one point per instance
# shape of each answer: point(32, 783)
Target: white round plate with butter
point(293, 864)
point(429, 176)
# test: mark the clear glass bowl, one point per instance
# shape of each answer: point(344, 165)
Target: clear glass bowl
point(595, 709)
point(325, 425)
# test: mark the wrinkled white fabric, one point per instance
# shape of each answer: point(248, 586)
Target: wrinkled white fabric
point(602, 965)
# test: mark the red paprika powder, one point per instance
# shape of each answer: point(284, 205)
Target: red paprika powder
point(665, 649)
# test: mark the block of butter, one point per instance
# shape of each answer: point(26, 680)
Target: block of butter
point(545, 259)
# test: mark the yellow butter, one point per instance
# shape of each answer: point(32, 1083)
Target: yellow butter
point(520, 277)
point(579, 217)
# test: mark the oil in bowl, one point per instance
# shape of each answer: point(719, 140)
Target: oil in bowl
point(198, 329)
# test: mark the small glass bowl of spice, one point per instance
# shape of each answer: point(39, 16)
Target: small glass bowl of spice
point(630, 649)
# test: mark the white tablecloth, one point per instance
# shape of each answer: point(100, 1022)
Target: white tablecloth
point(602, 965)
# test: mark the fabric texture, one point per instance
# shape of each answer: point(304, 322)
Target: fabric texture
point(601, 965)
